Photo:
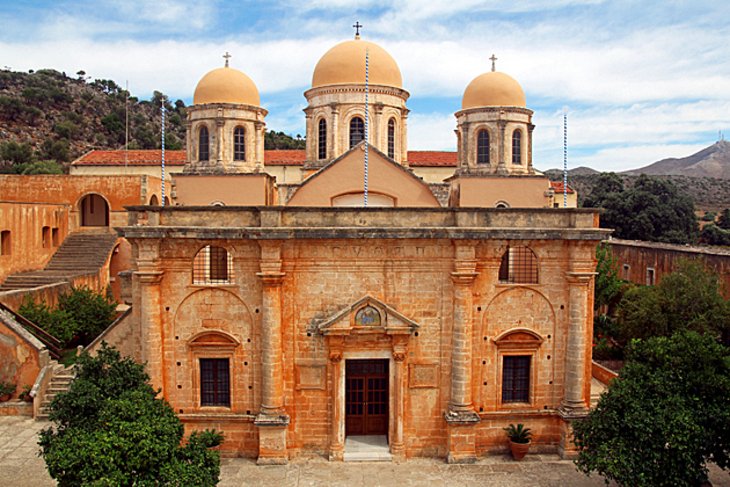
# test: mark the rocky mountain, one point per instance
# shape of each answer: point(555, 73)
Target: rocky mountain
point(711, 162)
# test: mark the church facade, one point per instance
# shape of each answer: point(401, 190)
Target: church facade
point(293, 315)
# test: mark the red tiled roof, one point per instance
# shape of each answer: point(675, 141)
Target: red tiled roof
point(289, 157)
point(134, 158)
point(430, 158)
point(558, 187)
point(294, 157)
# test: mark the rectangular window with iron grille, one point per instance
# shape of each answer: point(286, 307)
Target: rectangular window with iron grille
point(215, 382)
point(516, 378)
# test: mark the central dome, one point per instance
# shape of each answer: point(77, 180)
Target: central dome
point(493, 89)
point(226, 85)
point(345, 64)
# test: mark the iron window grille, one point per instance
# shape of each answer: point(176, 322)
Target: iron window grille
point(322, 140)
point(516, 378)
point(215, 382)
point(391, 138)
point(212, 265)
point(518, 266)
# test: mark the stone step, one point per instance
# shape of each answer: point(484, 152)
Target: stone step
point(369, 448)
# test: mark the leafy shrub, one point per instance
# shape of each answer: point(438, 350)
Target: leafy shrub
point(57, 322)
point(664, 417)
point(41, 167)
point(58, 150)
point(93, 312)
point(110, 429)
point(17, 153)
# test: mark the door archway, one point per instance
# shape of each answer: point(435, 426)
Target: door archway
point(94, 211)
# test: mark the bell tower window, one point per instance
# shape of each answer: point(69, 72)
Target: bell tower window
point(391, 138)
point(203, 145)
point(357, 131)
point(517, 147)
point(239, 144)
point(483, 147)
point(322, 140)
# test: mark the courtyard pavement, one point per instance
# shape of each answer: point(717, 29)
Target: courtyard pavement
point(20, 466)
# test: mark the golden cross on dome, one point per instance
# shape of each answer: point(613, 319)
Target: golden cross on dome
point(357, 25)
point(227, 56)
point(494, 62)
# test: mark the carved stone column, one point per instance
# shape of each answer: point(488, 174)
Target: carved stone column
point(501, 148)
point(461, 417)
point(219, 124)
point(577, 372)
point(337, 429)
point(149, 277)
point(334, 147)
point(377, 129)
point(403, 139)
point(272, 419)
point(530, 128)
point(259, 144)
point(397, 446)
point(311, 141)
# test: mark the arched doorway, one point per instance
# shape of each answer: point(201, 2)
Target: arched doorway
point(154, 201)
point(94, 211)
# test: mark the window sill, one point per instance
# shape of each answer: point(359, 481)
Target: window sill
point(517, 284)
point(204, 285)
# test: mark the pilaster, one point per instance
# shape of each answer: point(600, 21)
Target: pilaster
point(149, 277)
point(461, 417)
point(272, 420)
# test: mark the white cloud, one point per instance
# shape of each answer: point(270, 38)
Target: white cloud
point(432, 131)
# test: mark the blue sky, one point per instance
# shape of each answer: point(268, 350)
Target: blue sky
point(642, 80)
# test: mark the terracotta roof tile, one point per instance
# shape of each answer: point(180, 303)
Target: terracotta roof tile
point(134, 158)
point(558, 187)
point(289, 157)
point(427, 158)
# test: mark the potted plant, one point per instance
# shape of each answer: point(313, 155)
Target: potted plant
point(25, 394)
point(6, 391)
point(519, 438)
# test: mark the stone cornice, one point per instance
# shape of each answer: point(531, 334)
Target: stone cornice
point(356, 88)
point(469, 111)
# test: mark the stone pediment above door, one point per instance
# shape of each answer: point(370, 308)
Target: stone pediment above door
point(367, 316)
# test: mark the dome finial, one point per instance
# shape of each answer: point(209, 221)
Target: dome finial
point(357, 25)
point(494, 62)
point(226, 56)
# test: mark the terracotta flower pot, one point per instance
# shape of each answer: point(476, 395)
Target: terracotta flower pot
point(519, 450)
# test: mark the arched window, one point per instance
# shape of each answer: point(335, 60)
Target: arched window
point(517, 147)
point(203, 145)
point(519, 266)
point(483, 147)
point(322, 140)
point(212, 265)
point(357, 131)
point(391, 138)
point(239, 144)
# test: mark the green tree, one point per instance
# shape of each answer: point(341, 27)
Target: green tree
point(664, 417)
point(42, 167)
point(608, 284)
point(653, 209)
point(110, 429)
point(689, 298)
point(93, 312)
point(714, 235)
point(16, 152)
point(57, 322)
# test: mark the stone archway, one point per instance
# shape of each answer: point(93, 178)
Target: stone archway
point(94, 211)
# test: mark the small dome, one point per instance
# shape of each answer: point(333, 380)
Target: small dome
point(345, 64)
point(226, 85)
point(493, 89)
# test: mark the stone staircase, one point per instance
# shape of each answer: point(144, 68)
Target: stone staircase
point(83, 252)
point(60, 382)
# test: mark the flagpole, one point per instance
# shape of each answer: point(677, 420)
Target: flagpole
point(367, 126)
point(163, 152)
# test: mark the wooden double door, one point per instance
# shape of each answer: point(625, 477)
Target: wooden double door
point(366, 397)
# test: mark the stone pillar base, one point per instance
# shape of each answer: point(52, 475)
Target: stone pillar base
point(272, 439)
point(337, 454)
point(566, 448)
point(462, 436)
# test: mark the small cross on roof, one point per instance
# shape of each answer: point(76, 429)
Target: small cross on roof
point(357, 25)
point(494, 62)
point(227, 56)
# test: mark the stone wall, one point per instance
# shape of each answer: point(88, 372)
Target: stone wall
point(29, 248)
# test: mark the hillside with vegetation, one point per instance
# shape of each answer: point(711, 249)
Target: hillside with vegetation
point(48, 119)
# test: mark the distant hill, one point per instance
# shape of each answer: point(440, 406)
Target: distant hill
point(711, 162)
point(557, 174)
point(47, 115)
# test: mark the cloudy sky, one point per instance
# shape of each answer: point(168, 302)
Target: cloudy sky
point(641, 80)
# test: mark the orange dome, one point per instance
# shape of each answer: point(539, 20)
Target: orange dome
point(226, 85)
point(493, 89)
point(345, 64)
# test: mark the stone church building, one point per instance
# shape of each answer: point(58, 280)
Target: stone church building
point(293, 317)
point(295, 301)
